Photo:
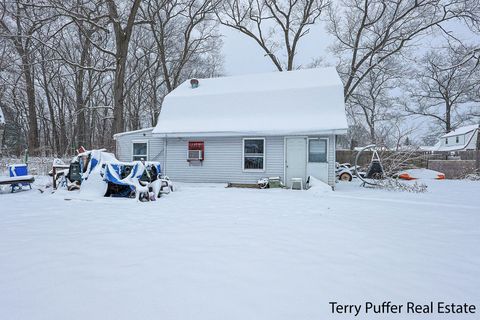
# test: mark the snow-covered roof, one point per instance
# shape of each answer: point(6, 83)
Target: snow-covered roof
point(461, 130)
point(116, 135)
point(278, 103)
point(430, 148)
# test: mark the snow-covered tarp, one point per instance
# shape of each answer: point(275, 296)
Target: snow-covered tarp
point(103, 168)
point(292, 102)
point(413, 174)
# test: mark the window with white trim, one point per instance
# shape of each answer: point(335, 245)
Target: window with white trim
point(254, 154)
point(140, 151)
point(457, 139)
point(196, 151)
point(317, 150)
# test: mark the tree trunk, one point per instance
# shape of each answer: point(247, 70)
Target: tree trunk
point(477, 153)
point(122, 39)
point(448, 117)
point(55, 142)
point(118, 89)
point(373, 137)
point(33, 139)
point(80, 108)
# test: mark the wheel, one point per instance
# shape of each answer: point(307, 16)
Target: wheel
point(345, 177)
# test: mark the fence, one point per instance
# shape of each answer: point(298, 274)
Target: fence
point(462, 163)
point(36, 165)
point(462, 155)
point(416, 159)
point(453, 169)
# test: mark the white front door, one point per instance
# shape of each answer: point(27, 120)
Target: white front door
point(295, 159)
point(317, 165)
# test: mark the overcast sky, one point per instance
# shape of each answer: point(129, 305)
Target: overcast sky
point(243, 55)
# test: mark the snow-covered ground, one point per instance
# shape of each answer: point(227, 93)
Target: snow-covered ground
point(207, 252)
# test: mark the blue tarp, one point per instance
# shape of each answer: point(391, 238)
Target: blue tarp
point(106, 167)
point(113, 172)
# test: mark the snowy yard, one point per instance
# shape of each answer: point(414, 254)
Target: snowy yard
point(207, 252)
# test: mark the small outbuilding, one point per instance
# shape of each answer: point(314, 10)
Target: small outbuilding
point(240, 129)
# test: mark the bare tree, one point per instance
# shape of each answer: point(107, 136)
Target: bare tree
point(185, 33)
point(18, 23)
point(442, 92)
point(276, 26)
point(373, 102)
point(368, 32)
point(123, 33)
point(90, 17)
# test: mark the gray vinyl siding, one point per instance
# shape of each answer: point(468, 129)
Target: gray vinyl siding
point(223, 160)
point(125, 141)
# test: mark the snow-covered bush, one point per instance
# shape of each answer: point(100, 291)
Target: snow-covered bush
point(392, 184)
point(472, 177)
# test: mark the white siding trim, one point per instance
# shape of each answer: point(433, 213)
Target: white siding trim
point(147, 156)
point(285, 155)
point(326, 148)
point(264, 154)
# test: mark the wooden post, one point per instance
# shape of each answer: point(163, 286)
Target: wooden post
point(54, 173)
point(477, 151)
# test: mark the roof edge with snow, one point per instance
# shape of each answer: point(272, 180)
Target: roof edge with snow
point(252, 133)
point(461, 131)
point(116, 135)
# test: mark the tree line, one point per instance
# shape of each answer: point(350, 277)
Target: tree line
point(74, 72)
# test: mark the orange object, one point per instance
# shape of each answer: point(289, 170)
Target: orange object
point(406, 176)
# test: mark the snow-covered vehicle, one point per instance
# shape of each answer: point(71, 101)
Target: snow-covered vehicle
point(343, 173)
point(346, 171)
point(414, 174)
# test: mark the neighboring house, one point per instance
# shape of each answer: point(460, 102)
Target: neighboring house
point(464, 138)
point(242, 128)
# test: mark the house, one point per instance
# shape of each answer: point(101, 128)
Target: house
point(463, 138)
point(242, 128)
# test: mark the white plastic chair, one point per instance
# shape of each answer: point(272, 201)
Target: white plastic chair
point(297, 183)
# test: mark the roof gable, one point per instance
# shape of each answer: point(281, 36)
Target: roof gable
point(460, 131)
point(292, 102)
